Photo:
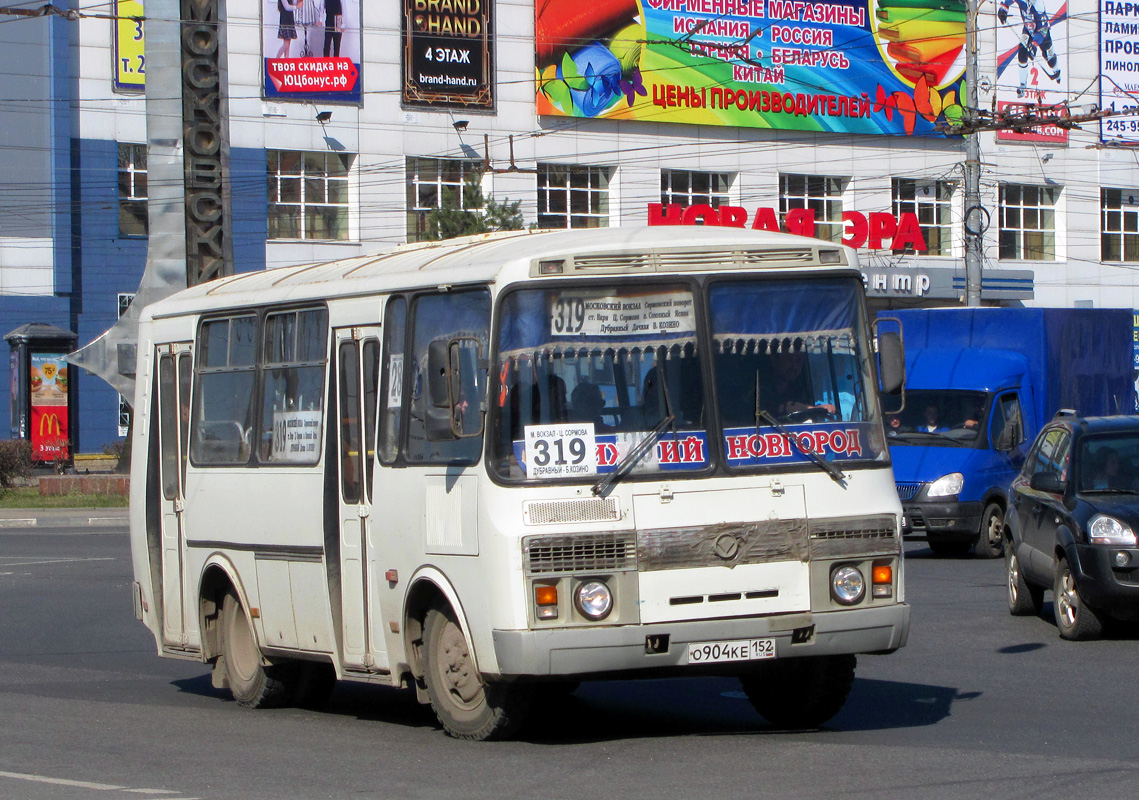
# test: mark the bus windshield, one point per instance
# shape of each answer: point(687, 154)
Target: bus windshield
point(587, 373)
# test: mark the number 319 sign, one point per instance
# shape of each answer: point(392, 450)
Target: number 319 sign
point(561, 451)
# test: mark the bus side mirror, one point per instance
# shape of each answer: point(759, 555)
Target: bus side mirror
point(453, 387)
point(440, 374)
point(891, 362)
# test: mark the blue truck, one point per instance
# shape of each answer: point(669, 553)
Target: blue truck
point(980, 383)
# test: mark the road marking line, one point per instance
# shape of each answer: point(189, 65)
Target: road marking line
point(53, 561)
point(154, 791)
point(102, 787)
point(17, 523)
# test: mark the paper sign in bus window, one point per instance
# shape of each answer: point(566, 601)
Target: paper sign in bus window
point(296, 436)
point(561, 451)
point(580, 314)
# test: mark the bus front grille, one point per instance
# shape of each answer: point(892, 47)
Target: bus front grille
point(590, 552)
point(840, 537)
point(587, 509)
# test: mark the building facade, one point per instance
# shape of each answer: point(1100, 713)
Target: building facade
point(349, 122)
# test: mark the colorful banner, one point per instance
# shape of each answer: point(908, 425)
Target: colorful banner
point(1119, 70)
point(1032, 65)
point(130, 46)
point(49, 417)
point(865, 66)
point(311, 50)
point(447, 54)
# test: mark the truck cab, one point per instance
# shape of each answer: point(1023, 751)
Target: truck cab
point(957, 443)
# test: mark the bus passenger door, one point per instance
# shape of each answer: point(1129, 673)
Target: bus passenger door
point(175, 366)
point(357, 375)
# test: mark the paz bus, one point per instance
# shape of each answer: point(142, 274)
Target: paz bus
point(490, 467)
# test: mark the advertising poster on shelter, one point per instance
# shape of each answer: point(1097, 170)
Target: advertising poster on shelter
point(1119, 70)
point(447, 53)
point(1032, 64)
point(311, 50)
point(48, 393)
point(857, 66)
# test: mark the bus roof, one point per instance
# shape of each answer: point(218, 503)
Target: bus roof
point(512, 255)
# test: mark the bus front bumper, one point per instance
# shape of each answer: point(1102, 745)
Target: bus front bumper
point(602, 650)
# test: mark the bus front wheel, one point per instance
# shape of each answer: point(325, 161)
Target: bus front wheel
point(467, 706)
point(253, 684)
point(797, 693)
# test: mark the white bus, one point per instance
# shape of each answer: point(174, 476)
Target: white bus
point(481, 466)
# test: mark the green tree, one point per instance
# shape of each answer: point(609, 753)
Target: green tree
point(476, 214)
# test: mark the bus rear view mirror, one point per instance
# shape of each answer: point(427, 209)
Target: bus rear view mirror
point(439, 374)
point(453, 372)
point(891, 362)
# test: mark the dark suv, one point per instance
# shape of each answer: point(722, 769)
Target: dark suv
point(1072, 522)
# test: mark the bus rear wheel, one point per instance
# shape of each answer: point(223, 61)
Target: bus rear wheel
point(253, 684)
point(798, 693)
point(466, 706)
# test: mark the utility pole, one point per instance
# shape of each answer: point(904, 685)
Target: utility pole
point(975, 218)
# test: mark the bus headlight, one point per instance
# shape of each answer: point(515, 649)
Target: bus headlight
point(847, 585)
point(594, 600)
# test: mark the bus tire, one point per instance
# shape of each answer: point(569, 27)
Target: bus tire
point(467, 706)
point(253, 684)
point(798, 693)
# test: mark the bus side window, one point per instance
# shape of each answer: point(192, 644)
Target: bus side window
point(395, 322)
point(445, 316)
point(227, 364)
point(292, 386)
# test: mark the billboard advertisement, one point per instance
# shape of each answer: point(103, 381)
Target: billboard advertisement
point(447, 54)
point(1032, 64)
point(1119, 70)
point(49, 417)
point(854, 66)
point(129, 46)
point(311, 50)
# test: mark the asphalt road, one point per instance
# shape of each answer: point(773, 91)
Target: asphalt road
point(979, 704)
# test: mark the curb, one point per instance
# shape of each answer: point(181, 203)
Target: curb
point(23, 519)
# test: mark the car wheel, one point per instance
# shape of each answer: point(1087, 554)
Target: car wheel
point(467, 706)
point(797, 693)
point(1074, 618)
point(1023, 600)
point(990, 542)
point(951, 548)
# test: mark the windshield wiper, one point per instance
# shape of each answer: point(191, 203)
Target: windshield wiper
point(814, 457)
point(631, 458)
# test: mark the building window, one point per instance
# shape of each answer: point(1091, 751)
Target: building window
point(571, 196)
point(930, 201)
point(820, 193)
point(1119, 224)
point(308, 194)
point(434, 183)
point(680, 187)
point(1028, 222)
point(132, 190)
